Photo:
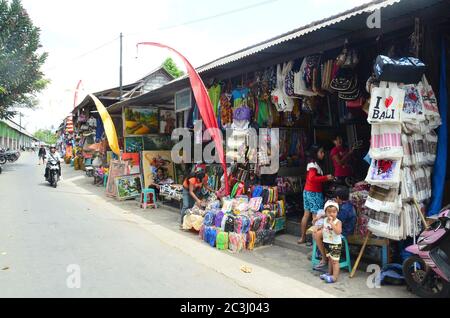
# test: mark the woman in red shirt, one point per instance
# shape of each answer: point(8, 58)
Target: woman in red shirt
point(341, 157)
point(313, 199)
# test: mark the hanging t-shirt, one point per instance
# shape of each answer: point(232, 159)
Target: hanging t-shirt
point(214, 94)
point(239, 96)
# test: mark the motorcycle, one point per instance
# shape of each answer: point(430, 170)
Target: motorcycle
point(52, 172)
point(10, 156)
point(427, 271)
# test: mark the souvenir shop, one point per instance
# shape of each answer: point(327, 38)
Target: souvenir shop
point(383, 107)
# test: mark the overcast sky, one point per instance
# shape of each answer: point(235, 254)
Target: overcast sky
point(71, 30)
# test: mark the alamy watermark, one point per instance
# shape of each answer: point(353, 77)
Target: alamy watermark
point(246, 145)
point(374, 20)
point(73, 281)
point(374, 279)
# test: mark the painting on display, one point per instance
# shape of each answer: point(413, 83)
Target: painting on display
point(157, 142)
point(167, 120)
point(134, 144)
point(139, 121)
point(133, 162)
point(128, 187)
point(116, 169)
point(152, 160)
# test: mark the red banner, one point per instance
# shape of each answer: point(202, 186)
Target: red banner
point(204, 105)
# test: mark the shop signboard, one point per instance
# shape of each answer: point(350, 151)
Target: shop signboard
point(183, 100)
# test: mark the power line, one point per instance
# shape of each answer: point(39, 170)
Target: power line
point(218, 15)
point(88, 52)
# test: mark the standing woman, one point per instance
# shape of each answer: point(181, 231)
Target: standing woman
point(341, 158)
point(313, 199)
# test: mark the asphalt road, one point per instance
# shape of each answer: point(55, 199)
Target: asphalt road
point(53, 241)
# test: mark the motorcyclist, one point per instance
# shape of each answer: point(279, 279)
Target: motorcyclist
point(53, 155)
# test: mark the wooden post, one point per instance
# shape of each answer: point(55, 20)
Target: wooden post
point(355, 267)
point(419, 210)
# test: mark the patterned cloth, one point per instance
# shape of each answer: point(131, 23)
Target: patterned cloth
point(313, 201)
point(333, 251)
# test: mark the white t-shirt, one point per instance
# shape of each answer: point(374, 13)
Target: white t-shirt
point(329, 236)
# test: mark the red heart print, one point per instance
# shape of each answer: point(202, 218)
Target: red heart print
point(413, 97)
point(388, 101)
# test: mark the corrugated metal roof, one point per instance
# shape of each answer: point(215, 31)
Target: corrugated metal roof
point(314, 26)
point(16, 127)
point(301, 39)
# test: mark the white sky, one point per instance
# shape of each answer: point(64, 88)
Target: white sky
point(71, 28)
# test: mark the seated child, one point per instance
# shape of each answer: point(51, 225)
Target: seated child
point(346, 215)
point(332, 239)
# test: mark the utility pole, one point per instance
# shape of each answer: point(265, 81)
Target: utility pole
point(121, 74)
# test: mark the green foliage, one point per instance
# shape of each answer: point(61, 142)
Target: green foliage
point(20, 62)
point(172, 68)
point(46, 136)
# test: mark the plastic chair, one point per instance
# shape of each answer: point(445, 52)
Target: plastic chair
point(105, 180)
point(144, 198)
point(342, 264)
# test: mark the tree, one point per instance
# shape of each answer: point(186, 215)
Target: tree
point(172, 68)
point(46, 136)
point(20, 63)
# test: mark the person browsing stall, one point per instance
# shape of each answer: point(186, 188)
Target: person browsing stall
point(313, 198)
point(341, 157)
point(192, 190)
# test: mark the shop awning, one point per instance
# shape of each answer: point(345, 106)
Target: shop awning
point(315, 37)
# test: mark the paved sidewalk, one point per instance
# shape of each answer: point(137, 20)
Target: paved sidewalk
point(290, 268)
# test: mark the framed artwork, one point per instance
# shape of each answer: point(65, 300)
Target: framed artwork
point(152, 160)
point(134, 144)
point(139, 121)
point(157, 142)
point(116, 169)
point(167, 120)
point(133, 162)
point(128, 187)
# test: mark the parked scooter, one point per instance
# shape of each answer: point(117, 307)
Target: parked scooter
point(10, 156)
point(53, 172)
point(427, 272)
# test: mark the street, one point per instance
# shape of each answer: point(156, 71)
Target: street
point(122, 251)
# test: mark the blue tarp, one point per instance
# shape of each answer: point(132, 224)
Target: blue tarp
point(441, 159)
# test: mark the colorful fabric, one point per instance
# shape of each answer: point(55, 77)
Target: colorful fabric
point(214, 94)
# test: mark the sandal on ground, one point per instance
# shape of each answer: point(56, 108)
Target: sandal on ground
point(301, 242)
point(329, 280)
point(321, 267)
point(324, 276)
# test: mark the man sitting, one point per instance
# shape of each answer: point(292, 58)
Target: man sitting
point(347, 215)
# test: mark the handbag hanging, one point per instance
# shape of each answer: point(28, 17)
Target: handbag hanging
point(413, 109)
point(407, 70)
point(386, 104)
point(386, 141)
point(385, 173)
